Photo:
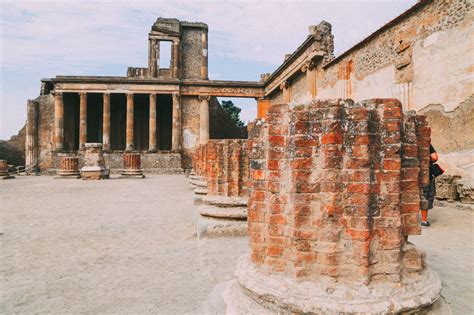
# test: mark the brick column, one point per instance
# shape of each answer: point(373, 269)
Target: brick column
point(31, 152)
point(175, 70)
point(334, 195)
point(152, 60)
point(82, 120)
point(129, 133)
point(106, 123)
point(176, 123)
point(58, 121)
point(152, 122)
point(204, 119)
point(204, 55)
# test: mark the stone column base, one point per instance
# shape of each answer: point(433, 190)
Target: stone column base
point(258, 293)
point(95, 172)
point(131, 174)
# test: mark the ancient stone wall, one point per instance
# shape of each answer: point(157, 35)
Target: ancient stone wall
point(191, 48)
point(335, 188)
point(45, 131)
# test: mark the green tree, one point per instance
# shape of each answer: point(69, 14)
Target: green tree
point(233, 112)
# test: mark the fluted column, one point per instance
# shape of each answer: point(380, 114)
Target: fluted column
point(152, 127)
point(175, 69)
point(129, 133)
point(176, 128)
point(82, 120)
point(204, 56)
point(106, 123)
point(58, 121)
point(204, 119)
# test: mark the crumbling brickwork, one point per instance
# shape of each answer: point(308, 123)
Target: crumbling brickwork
point(224, 164)
point(335, 189)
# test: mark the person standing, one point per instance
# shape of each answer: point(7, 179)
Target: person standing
point(429, 191)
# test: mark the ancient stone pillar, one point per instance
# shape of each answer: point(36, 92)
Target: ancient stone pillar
point(335, 193)
point(82, 120)
point(152, 122)
point(106, 122)
point(58, 121)
point(94, 162)
point(310, 70)
point(129, 133)
point(152, 61)
point(132, 165)
point(175, 70)
point(285, 88)
point(204, 119)
point(68, 167)
point(31, 150)
point(4, 170)
point(204, 56)
point(176, 128)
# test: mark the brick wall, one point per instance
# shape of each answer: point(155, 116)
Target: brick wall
point(335, 188)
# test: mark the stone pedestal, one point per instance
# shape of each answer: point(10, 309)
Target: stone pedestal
point(334, 195)
point(4, 170)
point(132, 166)
point(68, 167)
point(94, 163)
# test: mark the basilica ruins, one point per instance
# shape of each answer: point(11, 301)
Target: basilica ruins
point(328, 184)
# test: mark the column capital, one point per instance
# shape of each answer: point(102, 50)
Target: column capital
point(176, 96)
point(106, 93)
point(83, 93)
point(129, 96)
point(57, 94)
point(204, 97)
point(284, 85)
point(308, 65)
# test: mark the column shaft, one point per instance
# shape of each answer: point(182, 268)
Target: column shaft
point(204, 120)
point(31, 156)
point(152, 127)
point(106, 123)
point(176, 128)
point(152, 65)
point(175, 69)
point(82, 120)
point(204, 56)
point(58, 121)
point(129, 132)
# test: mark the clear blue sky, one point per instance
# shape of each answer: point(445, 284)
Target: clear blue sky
point(41, 39)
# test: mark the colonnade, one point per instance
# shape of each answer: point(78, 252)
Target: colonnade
point(129, 146)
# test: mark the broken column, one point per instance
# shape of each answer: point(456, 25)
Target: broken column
point(68, 167)
point(4, 170)
point(197, 177)
point(224, 209)
point(94, 163)
point(132, 165)
point(334, 194)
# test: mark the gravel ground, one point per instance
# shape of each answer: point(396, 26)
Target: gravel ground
point(129, 246)
point(111, 246)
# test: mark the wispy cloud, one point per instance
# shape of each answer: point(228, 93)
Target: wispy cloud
point(46, 38)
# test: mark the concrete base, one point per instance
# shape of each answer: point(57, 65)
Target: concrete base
point(198, 183)
point(237, 213)
point(210, 227)
point(200, 190)
point(95, 172)
point(196, 177)
point(224, 201)
point(258, 293)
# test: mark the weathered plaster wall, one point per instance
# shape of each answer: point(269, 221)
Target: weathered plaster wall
point(190, 127)
point(425, 59)
point(191, 58)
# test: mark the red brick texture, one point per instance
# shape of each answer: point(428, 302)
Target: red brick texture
point(335, 189)
point(225, 165)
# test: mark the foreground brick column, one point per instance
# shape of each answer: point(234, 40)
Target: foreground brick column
point(82, 120)
point(132, 165)
point(58, 121)
point(129, 133)
point(335, 191)
point(68, 167)
point(106, 122)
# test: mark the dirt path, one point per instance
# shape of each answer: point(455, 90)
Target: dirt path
point(115, 246)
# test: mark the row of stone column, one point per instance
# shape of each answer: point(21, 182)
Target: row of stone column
point(176, 121)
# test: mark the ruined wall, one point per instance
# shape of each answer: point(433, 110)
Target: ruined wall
point(191, 48)
point(421, 59)
point(13, 150)
point(335, 188)
point(45, 131)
